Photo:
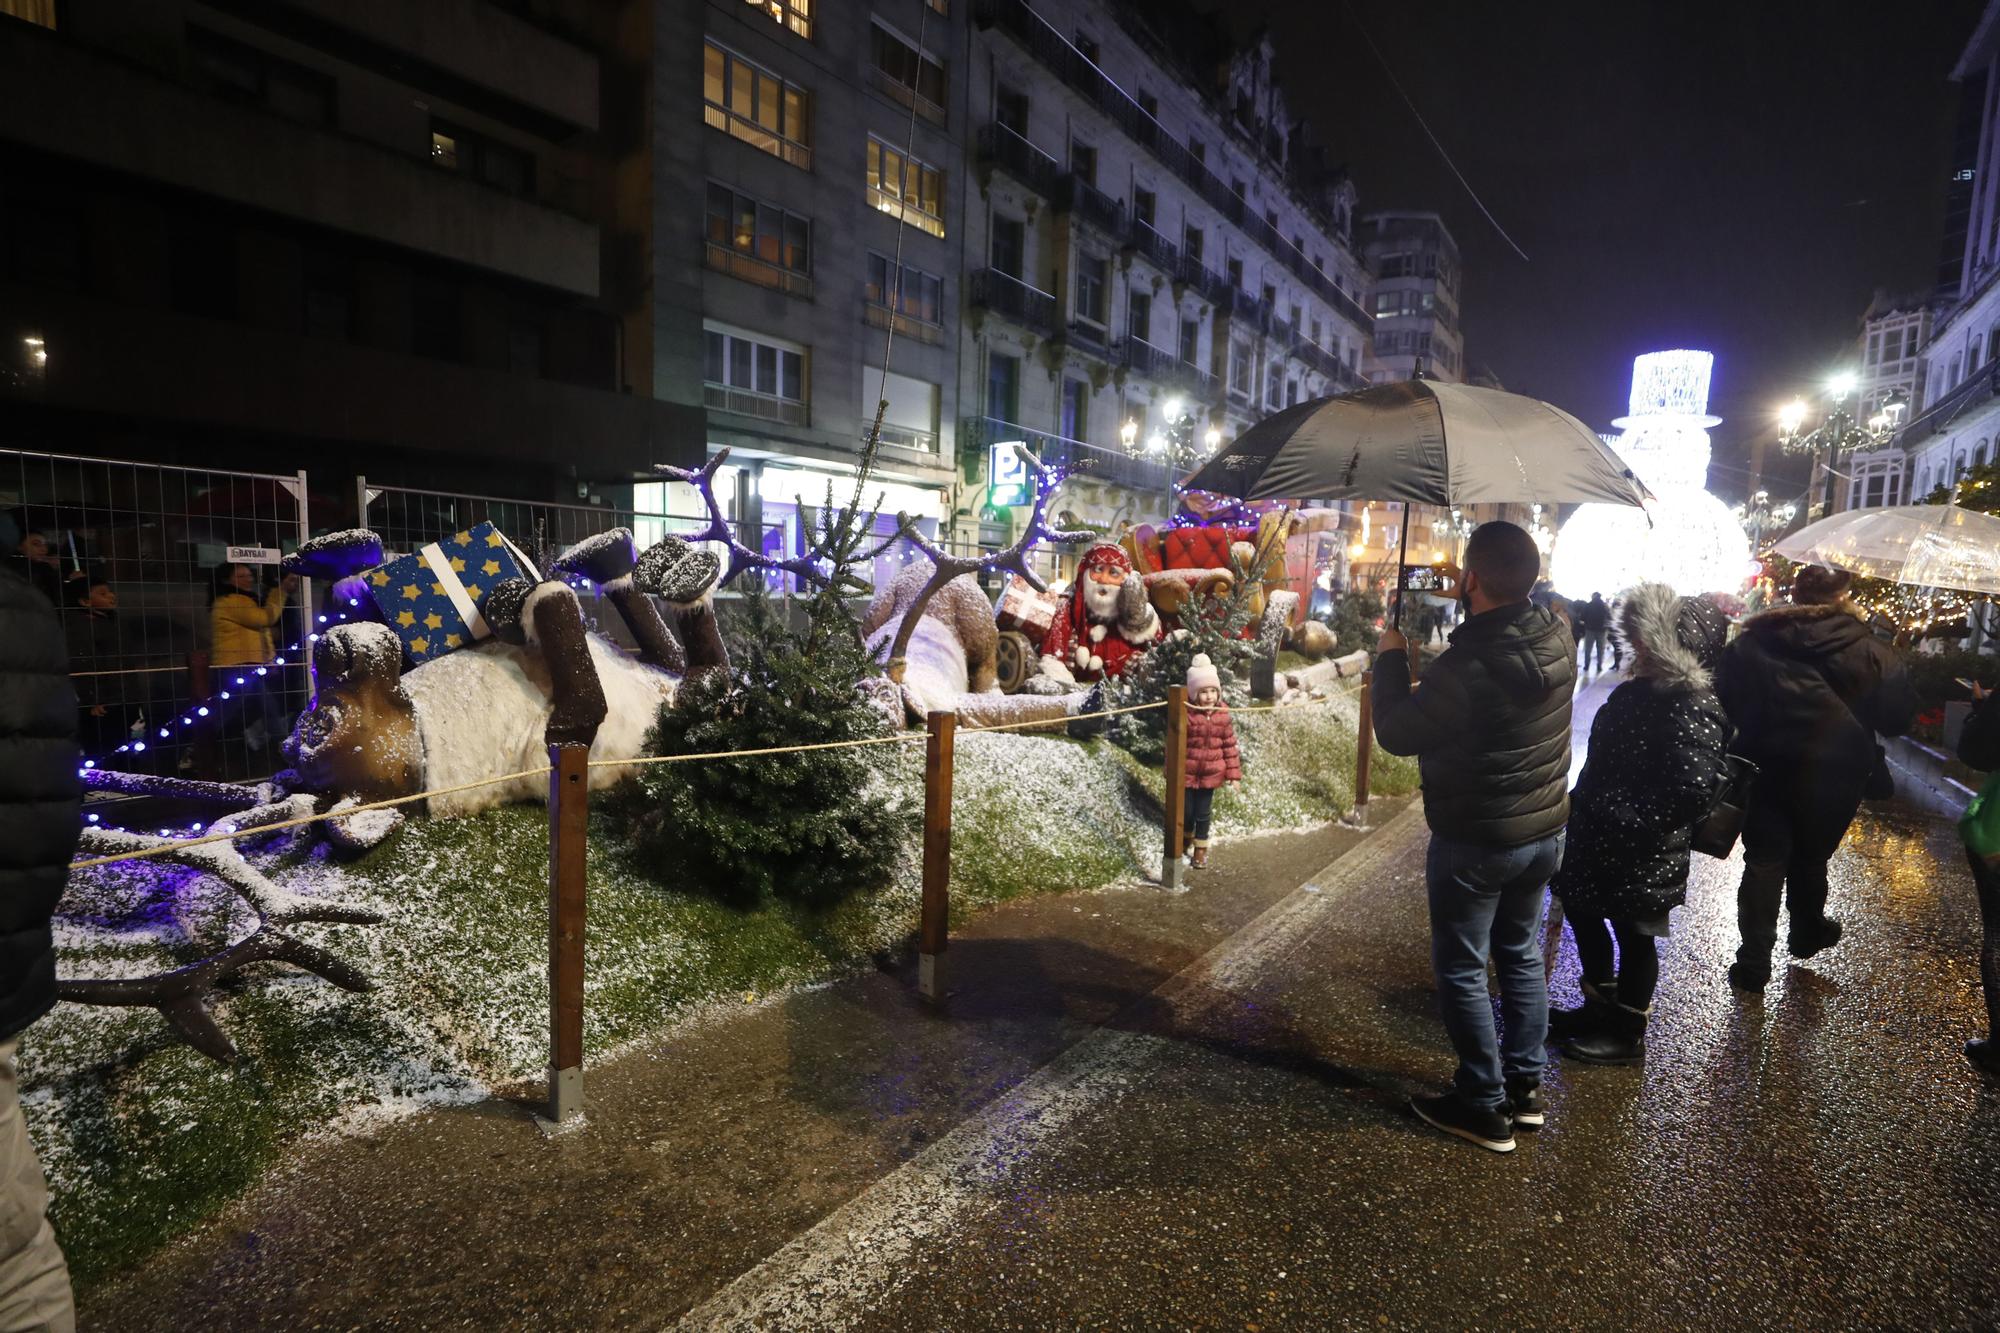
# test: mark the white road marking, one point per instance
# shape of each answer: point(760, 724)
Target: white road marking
point(859, 1254)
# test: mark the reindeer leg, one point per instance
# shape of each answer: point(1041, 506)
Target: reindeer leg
point(554, 624)
point(684, 577)
point(657, 646)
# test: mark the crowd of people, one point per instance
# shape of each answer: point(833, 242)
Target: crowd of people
point(1785, 716)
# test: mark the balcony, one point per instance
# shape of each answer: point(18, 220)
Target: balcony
point(1236, 304)
point(977, 434)
point(1081, 199)
point(746, 130)
point(878, 316)
point(1089, 338)
point(1003, 148)
point(904, 95)
point(723, 398)
point(904, 437)
point(1160, 252)
point(1007, 296)
point(1207, 281)
point(1974, 391)
point(749, 268)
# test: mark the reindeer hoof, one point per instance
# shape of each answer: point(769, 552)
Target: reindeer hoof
point(602, 559)
point(335, 555)
point(679, 573)
point(502, 608)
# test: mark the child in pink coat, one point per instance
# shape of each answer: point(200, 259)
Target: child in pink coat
point(1211, 752)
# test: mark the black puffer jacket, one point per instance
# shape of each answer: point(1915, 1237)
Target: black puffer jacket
point(40, 798)
point(1656, 764)
point(1805, 686)
point(1489, 724)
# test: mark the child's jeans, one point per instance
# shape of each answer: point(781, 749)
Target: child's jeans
point(1200, 800)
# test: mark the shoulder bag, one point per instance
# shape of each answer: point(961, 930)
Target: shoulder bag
point(1719, 829)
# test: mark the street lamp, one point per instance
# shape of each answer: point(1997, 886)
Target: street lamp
point(1838, 431)
point(1173, 444)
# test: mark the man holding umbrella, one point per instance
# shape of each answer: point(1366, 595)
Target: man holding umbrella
point(1490, 726)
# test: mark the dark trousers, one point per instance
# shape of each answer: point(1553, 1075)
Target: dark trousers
point(1195, 811)
point(1637, 968)
point(1986, 880)
point(1793, 826)
point(1593, 650)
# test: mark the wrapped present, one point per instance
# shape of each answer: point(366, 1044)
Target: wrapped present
point(431, 598)
point(1024, 610)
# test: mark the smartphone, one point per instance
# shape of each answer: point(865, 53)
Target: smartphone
point(1422, 578)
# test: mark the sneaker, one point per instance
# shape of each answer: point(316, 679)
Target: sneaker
point(1816, 940)
point(1491, 1130)
point(1525, 1106)
point(1750, 979)
point(1985, 1057)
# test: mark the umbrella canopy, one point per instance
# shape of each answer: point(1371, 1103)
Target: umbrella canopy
point(1423, 442)
point(1928, 546)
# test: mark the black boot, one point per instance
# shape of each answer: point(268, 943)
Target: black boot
point(1985, 1056)
point(1621, 1041)
point(1586, 1016)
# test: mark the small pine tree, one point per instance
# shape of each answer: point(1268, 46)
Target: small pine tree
point(1211, 623)
point(1357, 620)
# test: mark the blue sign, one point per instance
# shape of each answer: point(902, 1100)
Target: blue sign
point(1009, 472)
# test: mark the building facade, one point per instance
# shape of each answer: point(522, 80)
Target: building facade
point(1889, 376)
point(1415, 297)
point(370, 235)
point(1151, 254)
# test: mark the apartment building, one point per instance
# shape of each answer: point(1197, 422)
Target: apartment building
point(1414, 299)
point(346, 233)
point(1888, 384)
point(803, 231)
point(1154, 257)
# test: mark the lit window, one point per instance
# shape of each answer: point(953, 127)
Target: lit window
point(910, 297)
point(41, 13)
point(750, 103)
point(758, 242)
point(906, 188)
point(793, 14)
point(444, 150)
point(753, 377)
point(500, 165)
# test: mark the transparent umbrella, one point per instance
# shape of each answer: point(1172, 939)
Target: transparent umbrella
point(1925, 546)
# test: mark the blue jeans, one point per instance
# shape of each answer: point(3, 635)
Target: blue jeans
point(1490, 899)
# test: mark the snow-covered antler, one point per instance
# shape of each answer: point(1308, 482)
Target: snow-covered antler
point(1013, 559)
point(806, 567)
point(182, 994)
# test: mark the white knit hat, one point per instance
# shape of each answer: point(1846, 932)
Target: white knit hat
point(1202, 675)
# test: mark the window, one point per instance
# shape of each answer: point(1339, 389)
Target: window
point(911, 419)
point(758, 242)
point(753, 377)
point(1003, 386)
point(1010, 109)
point(1190, 339)
point(1271, 218)
point(1086, 48)
point(1909, 342)
point(42, 13)
point(1239, 369)
point(1291, 392)
point(752, 104)
point(1270, 297)
point(1009, 246)
point(1075, 423)
point(1143, 204)
point(246, 74)
point(1274, 387)
point(1191, 244)
point(1316, 329)
point(1298, 318)
point(906, 188)
point(797, 14)
point(908, 75)
point(1150, 105)
point(1083, 161)
point(914, 297)
point(1236, 273)
point(1138, 321)
point(500, 165)
point(1199, 149)
point(1091, 274)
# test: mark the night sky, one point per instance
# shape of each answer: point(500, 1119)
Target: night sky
point(1738, 178)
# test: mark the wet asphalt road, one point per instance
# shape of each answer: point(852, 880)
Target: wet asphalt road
point(1145, 1112)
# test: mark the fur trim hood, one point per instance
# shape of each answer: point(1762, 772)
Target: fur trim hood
point(1673, 640)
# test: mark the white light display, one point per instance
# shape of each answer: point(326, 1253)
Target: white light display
point(1694, 543)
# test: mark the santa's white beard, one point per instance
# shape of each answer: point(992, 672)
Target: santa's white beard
point(1100, 601)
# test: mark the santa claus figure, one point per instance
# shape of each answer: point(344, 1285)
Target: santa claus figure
point(1108, 621)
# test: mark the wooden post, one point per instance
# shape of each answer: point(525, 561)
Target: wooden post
point(934, 920)
point(569, 815)
point(1174, 793)
point(1364, 744)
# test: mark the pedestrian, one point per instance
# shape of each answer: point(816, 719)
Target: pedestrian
point(1212, 759)
point(242, 625)
point(1594, 618)
point(91, 629)
point(1657, 763)
point(40, 812)
point(1617, 640)
point(1490, 728)
point(1979, 747)
point(1807, 687)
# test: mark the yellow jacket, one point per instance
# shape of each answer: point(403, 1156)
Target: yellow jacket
point(242, 629)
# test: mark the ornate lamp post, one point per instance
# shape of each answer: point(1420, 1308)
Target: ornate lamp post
point(1173, 445)
point(1837, 431)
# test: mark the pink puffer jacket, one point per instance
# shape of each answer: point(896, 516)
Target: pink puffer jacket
point(1211, 748)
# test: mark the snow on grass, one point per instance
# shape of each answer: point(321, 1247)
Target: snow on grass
point(143, 1138)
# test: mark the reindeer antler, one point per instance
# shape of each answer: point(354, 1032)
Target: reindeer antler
point(1013, 559)
point(741, 557)
point(182, 995)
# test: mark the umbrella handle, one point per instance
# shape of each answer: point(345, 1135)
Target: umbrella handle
point(1402, 558)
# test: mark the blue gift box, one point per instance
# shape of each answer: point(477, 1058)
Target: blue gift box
point(432, 597)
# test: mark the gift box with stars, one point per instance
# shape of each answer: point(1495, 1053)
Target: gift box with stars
point(432, 597)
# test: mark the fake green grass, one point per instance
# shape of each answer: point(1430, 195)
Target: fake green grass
point(144, 1138)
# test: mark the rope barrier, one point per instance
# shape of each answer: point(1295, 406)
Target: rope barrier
point(903, 738)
